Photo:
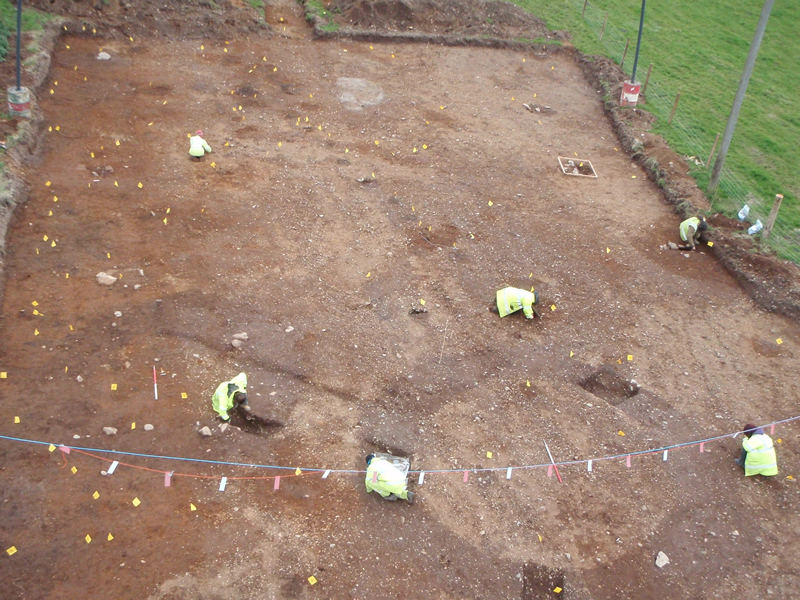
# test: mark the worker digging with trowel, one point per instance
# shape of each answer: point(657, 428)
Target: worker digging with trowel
point(510, 300)
point(691, 230)
point(231, 395)
point(386, 479)
point(198, 146)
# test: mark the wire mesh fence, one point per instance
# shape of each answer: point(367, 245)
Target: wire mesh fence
point(688, 137)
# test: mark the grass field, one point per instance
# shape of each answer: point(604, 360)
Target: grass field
point(699, 49)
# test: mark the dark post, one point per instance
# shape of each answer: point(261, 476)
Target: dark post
point(603, 30)
point(19, 42)
point(674, 108)
point(624, 54)
point(727, 136)
point(583, 12)
point(638, 43)
point(647, 79)
point(772, 215)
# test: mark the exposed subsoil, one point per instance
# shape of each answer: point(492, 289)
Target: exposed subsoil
point(350, 182)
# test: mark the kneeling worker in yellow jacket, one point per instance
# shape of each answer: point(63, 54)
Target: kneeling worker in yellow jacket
point(758, 453)
point(511, 300)
point(229, 395)
point(386, 479)
point(198, 146)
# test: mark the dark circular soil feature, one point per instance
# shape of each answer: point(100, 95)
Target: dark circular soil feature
point(605, 383)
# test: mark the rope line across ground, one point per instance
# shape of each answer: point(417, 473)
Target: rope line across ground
point(299, 471)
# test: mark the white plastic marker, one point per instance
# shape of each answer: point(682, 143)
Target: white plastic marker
point(508, 473)
point(167, 479)
point(666, 453)
point(222, 484)
point(155, 383)
point(113, 467)
point(589, 467)
point(326, 473)
point(421, 477)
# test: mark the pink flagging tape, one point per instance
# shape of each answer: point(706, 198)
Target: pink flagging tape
point(222, 484)
point(508, 473)
point(167, 479)
point(421, 478)
point(326, 473)
point(589, 466)
point(466, 476)
point(549, 470)
point(375, 477)
point(702, 446)
point(113, 467)
point(772, 429)
point(277, 485)
point(64, 449)
point(628, 461)
point(666, 453)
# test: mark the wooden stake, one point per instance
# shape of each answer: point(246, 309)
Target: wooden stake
point(772, 215)
point(583, 12)
point(603, 30)
point(624, 53)
point(714, 147)
point(674, 108)
point(646, 79)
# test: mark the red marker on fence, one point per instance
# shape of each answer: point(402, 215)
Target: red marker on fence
point(552, 462)
point(155, 383)
point(277, 483)
point(466, 476)
point(549, 470)
point(628, 461)
point(167, 479)
point(702, 446)
point(772, 429)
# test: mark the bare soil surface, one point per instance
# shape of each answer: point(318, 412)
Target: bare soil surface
point(350, 182)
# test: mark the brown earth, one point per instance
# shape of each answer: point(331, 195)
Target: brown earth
point(275, 235)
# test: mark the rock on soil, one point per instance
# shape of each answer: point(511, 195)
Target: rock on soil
point(148, 427)
point(110, 430)
point(240, 336)
point(205, 432)
point(104, 56)
point(661, 560)
point(237, 343)
point(105, 279)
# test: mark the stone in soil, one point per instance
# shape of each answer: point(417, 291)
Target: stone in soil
point(148, 427)
point(240, 336)
point(205, 432)
point(105, 279)
point(661, 560)
point(110, 430)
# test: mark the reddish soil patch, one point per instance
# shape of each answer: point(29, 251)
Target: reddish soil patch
point(273, 234)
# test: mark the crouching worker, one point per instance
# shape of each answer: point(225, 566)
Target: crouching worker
point(229, 395)
point(691, 230)
point(386, 479)
point(510, 300)
point(758, 453)
point(198, 146)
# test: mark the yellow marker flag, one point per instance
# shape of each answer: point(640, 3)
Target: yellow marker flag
point(133, 425)
point(116, 184)
point(779, 341)
point(414, 150)
point(45, 238)
point(491, 203)
point(113, 386)
point(117, 142)
point(312, 580)
point(346, 150)
point(540, 537)
point(424, 146)
point(140, 185)
point(622, 433)
point(557, 590)
point(4, 375)
point(184, 395)
point(552, 307)
point(11, 551)
point(377, 143)
point(91, 154)
point(528, 383)
point(710, 244)
point(275, 69)
point(53, 244)
point(110, 537)
point(136, 502)
point(35, 332)
point(51, 448)
point(421, 301)
point(35, 303)
point(48, 183)
point(608, 250)
point(571, 354)
point(488, 455)
point(88, 539)
point(16, 419)
point(96, 495)
point(108, 254)
point(165, 220)
point(74, 470)
point(370, 273)
point(192, 507)
point(630, 357)
point(297, 471)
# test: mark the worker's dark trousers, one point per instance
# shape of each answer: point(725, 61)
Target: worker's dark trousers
point(742, 458)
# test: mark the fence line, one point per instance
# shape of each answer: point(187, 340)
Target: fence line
point(688, 138)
